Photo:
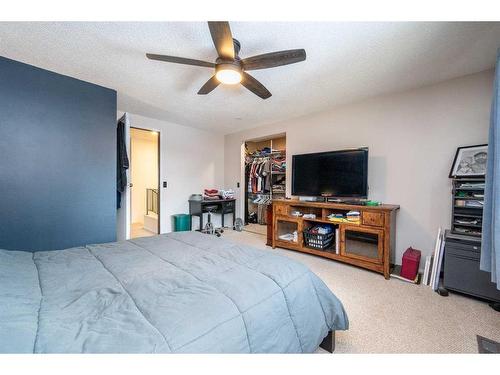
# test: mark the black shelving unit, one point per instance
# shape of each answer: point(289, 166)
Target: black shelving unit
point(467, 206)
point(463, 243)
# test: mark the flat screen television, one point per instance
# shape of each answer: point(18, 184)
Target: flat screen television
point(341, 173)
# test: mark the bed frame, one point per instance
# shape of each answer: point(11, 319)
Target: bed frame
point(328, 342)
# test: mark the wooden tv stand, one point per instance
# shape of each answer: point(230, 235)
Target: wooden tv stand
point(368, 244)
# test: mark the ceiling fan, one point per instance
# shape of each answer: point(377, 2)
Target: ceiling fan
point(229, 67)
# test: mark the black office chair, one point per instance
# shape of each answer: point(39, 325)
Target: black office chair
point(209, 226)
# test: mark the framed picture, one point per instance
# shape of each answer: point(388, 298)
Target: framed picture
point(470, 161)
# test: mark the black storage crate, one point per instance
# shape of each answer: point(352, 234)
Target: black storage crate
point(318, 241)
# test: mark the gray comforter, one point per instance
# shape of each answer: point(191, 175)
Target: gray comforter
point(179, 292)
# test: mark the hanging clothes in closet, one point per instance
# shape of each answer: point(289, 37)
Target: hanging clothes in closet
point(259, 173)
point(258, 170)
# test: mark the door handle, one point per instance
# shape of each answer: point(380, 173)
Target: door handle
point(130, 184)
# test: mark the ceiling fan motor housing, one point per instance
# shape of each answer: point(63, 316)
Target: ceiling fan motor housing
point(228, 65)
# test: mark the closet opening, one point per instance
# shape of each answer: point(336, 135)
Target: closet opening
point(144, 183)
point(265, 180)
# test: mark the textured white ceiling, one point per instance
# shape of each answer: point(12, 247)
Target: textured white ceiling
point(345, 62)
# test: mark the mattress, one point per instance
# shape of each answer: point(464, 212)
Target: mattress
point(183, 292)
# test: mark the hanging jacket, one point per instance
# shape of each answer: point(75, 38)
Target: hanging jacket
point(122, 163)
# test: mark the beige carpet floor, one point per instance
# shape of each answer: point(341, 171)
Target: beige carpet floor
point(391, 316)
point(256, 228)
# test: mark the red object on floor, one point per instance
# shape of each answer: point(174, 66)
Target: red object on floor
point(411, 261)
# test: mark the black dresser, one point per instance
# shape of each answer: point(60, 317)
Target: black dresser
point(461, 267)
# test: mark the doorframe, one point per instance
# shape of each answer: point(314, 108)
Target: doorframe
point(159, 173)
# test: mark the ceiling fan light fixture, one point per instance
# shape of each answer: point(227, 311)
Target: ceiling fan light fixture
point(228, 74)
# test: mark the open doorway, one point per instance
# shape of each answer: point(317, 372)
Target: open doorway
point(144, 183)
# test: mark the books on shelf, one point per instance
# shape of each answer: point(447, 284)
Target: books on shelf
point(467, 231)
point(353, 217)
point(471, 185)
point(337, 219)
point(468, 220)
point(469, 203)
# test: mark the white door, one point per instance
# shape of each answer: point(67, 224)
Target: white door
point(123, 213)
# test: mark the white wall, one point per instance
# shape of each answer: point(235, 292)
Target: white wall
point(412, 138)
point(144, 172)
point(190, 161)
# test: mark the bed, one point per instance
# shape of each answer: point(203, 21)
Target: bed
point(182, 292)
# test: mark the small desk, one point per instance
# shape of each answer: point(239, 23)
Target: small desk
point(226, 206)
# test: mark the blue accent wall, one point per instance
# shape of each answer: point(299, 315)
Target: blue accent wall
point(57, 160)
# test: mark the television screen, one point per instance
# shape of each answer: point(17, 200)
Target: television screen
point(335, 173)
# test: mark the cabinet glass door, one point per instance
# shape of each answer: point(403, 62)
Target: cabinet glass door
point(285, 231)
point(362, 243)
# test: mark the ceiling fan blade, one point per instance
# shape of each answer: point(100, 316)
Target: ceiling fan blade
point(270, 60)
point(223, 39)
point(210, 85)
point(255, 86)
point(179, 60)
